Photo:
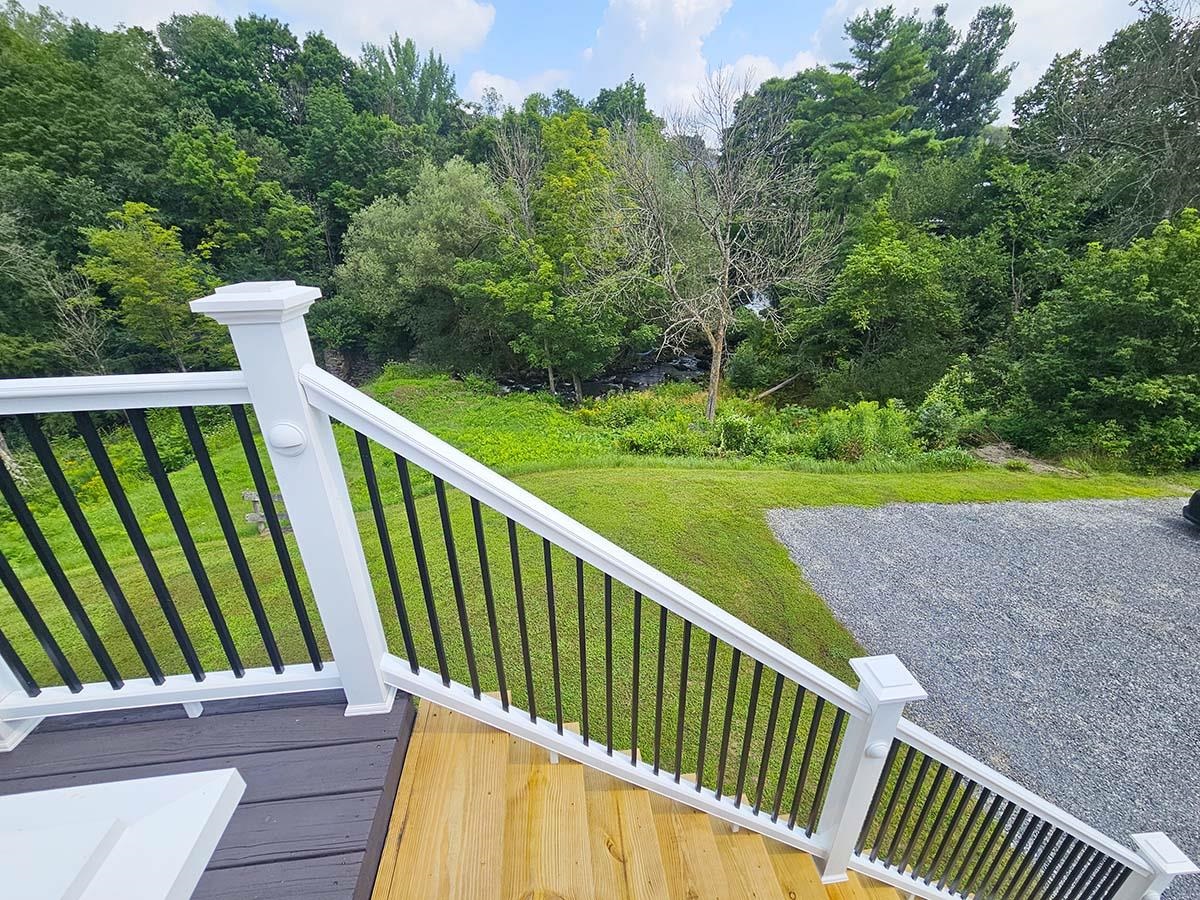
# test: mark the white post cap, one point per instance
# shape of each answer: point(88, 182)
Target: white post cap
point(885, 679)
point(1163, 856)
point(257, 302)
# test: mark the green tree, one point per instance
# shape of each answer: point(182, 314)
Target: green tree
point(402, 271)
point(889, 327)
point(967, 79)
point(1108, 361)
point(248, 228)
point(550, 209)
point(144, 267)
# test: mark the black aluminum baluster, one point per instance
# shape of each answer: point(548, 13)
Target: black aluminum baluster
point(137, 539)
point(967, 795)
point(558, 716)
point(1068, 885)
point(1107, 887)
point(259, 476)
point(522, 627)
point(935, 829)
point(414, 532)
point(755, 682)
point(768, 741)
point(489, 600)
point(1063, 875)
point(839, 722)
point(814, 726)
point(1003, 854)
point(232, 541)
point(702, 749)
point(36, 623)
point(1087, 876)
point(158, 474)
point(608, 666)
point(728, 724)
point(385, 545)
point(926, 808)
point(788, 745)
point(17, 666)
point(460, 603)
point(658, 690)
point(880, 786)
point(906, 761)
point(958, 867)
point(913, 794)
point(583, 686)
point(997, 831)
point(1038, 886)
point(684, 665)
point(1020, 848)
point(45, 555)
point(1035, 863)
point(1094, 889)
point(978, 807)
point(1030, 852)
point(637, 662)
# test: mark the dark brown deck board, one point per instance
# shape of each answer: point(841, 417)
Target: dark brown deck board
point(319, 784)
point(319, 878)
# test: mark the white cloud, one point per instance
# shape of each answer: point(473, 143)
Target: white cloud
point(450, 27)
point(514, 90)
point(660, 42)
point(757, 69)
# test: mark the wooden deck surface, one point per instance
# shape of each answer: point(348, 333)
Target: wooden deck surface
point(480, 814)
point(319, 785)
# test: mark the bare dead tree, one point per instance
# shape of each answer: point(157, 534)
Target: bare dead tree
point(709, 217)
point(83, 325)
point(517, 169)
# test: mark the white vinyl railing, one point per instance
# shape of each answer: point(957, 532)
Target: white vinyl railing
point(852, 761)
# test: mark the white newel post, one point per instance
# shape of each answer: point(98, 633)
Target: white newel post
point(1165, 861)
point(266, 321)
point(885, 685)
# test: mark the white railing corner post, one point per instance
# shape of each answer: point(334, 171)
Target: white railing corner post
point(885, 686)
point(1165, 861)
point(266, 321)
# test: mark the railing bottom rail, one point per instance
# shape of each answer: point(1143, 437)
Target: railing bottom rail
point(177, 689)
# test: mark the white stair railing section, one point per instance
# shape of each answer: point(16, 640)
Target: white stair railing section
point(874, 792)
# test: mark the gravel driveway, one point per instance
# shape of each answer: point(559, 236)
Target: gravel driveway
point(1059, 642)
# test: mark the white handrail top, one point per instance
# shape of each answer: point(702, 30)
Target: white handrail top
point(389, 428)
point(78, 393)
point(985, 775)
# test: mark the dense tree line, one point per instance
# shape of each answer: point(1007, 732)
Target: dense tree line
point(854, 232)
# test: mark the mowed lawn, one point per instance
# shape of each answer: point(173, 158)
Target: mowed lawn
point(703, 524)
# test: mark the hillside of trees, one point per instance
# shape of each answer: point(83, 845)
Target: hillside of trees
point(857, 232)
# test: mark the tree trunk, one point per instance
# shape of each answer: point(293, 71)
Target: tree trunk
point(714, 373)
point(578, 388)
point(550, 375)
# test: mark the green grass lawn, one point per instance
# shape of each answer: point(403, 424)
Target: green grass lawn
point(702, 523)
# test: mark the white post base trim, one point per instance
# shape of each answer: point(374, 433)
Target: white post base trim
point(553, 758)
point(835, 878)
point(193, 710)
point(12, 733)
point(373, 709)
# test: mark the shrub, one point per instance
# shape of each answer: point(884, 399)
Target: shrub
point(673, 435)
point(862, 430)
point(943, 419)
point(737, 433)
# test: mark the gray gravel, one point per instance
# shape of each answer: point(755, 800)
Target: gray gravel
point(1059, 642)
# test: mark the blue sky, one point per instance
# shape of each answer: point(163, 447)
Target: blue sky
point(519, 46)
